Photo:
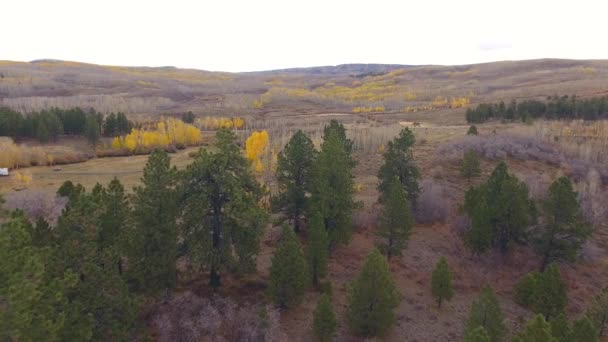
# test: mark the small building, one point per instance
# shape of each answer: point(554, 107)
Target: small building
point(3, 171)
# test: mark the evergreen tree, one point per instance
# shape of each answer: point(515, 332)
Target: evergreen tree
point(317, 250)
point(472, 130)
point(486, 313)
point(565, 230)
point(41, 233)
point(583, 330)
point(153, 237)
point(399, 162)
point(478, 334)
point(333, 187)
point(109, 126)
point(339, 130)
point(222, 219)
point(101, 307)
point(470, 165)
point(537, 330)
point(324, 320)
point(395, 221)
point(500, 210)
point(32, 302)
point(188, 117)
point(441, 282)
point(288, 272)
point(123, 125)
point(560, 328)
point(91, 129)
point(372, 297)
point(598, 312)
point(294, 177)
point(115, 215)
point(545, 293)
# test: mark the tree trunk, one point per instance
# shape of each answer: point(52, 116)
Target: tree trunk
point(214, 276)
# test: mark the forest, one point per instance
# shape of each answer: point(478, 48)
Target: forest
point(112, 253)
point(555, 107)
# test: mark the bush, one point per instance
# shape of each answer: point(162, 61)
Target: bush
point(187, 317)
point(432, 205)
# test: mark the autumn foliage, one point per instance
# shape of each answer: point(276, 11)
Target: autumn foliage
point(215, 123)
point(256, 148)
point(170, 132)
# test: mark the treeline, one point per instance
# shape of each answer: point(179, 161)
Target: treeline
point(48, 125)
point(555, 107)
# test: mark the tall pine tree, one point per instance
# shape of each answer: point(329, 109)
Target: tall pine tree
point(324, 320)
point(317, 250)
point(486, 313)
point(399, 162)
point(294, 177)
point(333, 188)
point(537, 330)
point(372, 298)
point(441, 282)
point(222, 219)
point(395, 221)
point(565, 230)
point(153, 237)
point(288, 272)
point(500, 211)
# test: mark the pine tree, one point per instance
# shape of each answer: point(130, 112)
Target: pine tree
point(500, 211)
point(470, 165)
point(598, 312)
point(395, 221)
point(441, 282)
point(153, 237)
point(486, 313)
point(372, 297)
point(109, 126)
point(472, 130)
point(478, 334)
point(288, 272)
point(294, 177)
point(583, 330)
point(560, 328)
point(188, 117)
point(101, 307)
point(324, 320)
point(32, 302)
point(399, 162)
point(91, 129)
point(565, 230)
point(222, 219)
point(317, 251)
point(333, 187)
point(537, 330)
point(545, 293)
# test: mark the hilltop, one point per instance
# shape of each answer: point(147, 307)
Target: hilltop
point(349, 88)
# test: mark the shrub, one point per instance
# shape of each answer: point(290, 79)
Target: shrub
point(188, 317)
point(432, 205)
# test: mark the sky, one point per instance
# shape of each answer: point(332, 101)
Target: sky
point(250, 35)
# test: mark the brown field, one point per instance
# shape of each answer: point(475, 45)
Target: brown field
point(145, 93)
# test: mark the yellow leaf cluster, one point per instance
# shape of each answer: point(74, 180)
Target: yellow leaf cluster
point(169, 132)
point(378, 109)
point(215, 123)
point(255, 148)
point(22, 179)
point(459, 102)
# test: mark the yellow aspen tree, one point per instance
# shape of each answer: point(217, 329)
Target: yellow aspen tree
point(255, 147)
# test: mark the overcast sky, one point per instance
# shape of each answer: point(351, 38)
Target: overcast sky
point(247, 35)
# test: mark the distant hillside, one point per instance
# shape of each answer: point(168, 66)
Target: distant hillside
point(350, 88)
